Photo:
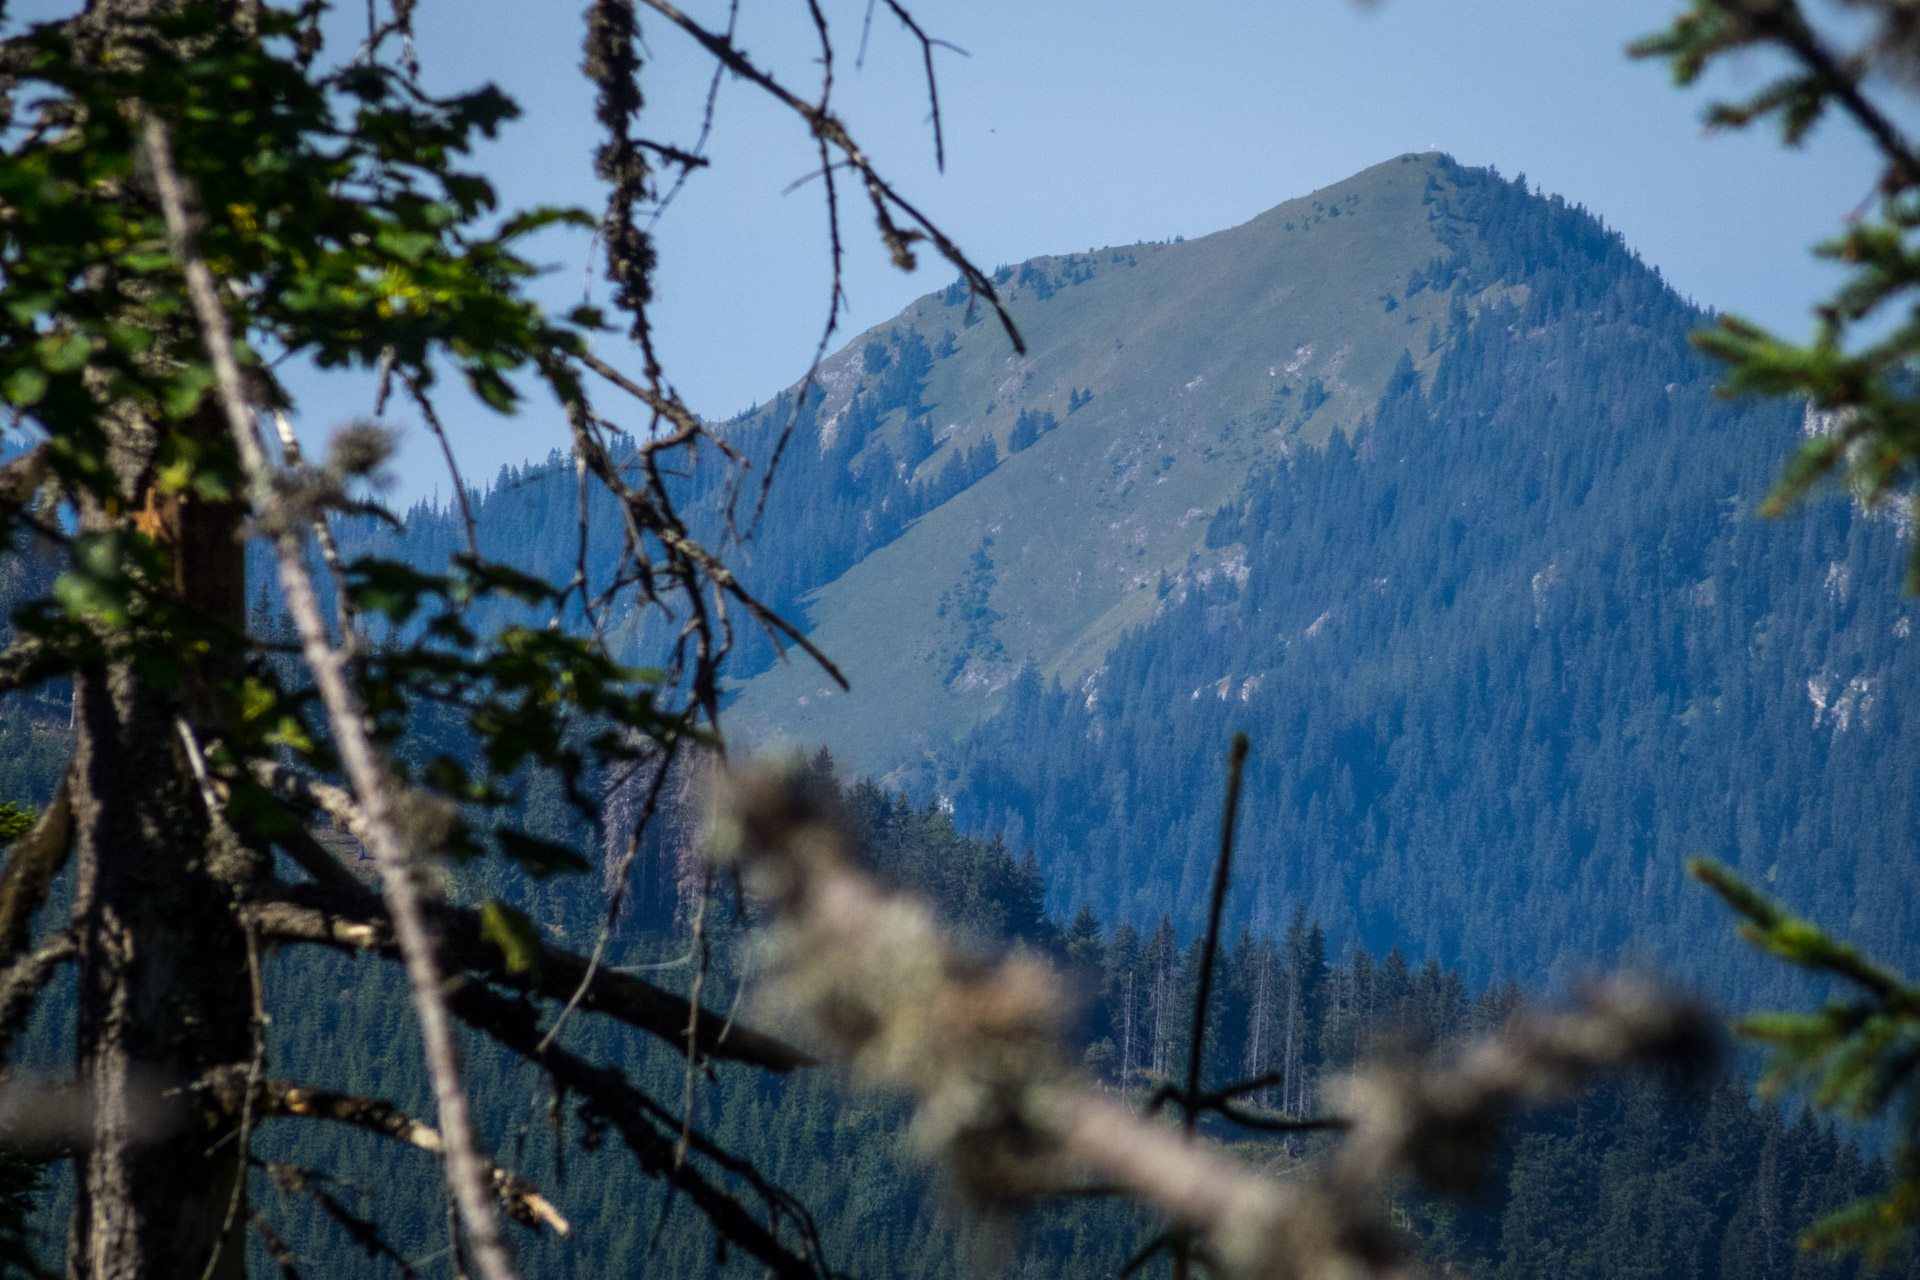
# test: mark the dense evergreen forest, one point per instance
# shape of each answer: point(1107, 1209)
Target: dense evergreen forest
point(1508, 657)
point(1648, 1178)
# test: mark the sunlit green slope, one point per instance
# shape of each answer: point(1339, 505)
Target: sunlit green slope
point(1203, 358)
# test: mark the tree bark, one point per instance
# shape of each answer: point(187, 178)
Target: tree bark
point(164, 992)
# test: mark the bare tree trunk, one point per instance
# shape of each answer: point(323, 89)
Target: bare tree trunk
point(164, 993)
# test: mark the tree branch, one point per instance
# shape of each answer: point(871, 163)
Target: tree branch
point(372, 783)
point(606, 1094)
point(284, 1098)
point(979, 1047)
point(291, 1179)
point(829, 129)
point(308, 853)
point(645, 517)
point(1785, 23)
point(355, 923)
point(23, 980)
point(32, 863)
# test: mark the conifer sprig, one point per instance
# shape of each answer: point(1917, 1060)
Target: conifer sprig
point(1860, 1053)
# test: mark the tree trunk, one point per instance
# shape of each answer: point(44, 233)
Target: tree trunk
point(164, 991)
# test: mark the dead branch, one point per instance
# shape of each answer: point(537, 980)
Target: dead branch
point(1441, 1124)
point(829, 129)
point(370, 775)
point(282, 1098)
point(427, 411)
point(276, 1248)
point(313, 858)
point(32, 862)
point(23, 980)
point(617, 883)
point(650, 1130)
point(978, 1045)
point(687, 426)
point(291, 1179)
point(308, 853)
point(323, 536)
point(356, 923)
point(689, 562)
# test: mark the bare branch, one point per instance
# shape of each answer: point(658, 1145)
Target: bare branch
point(648, 514)
point(256, 1066)
point(276, 1248)
point(663, 766)
point(689, 427)
point(283, 1098)
point(644, 1125)
point(832, 131)
point(355, 923)
point(1222, 874)
point(419, 394)
point(371, 781)
point(291, 1179)
point(329, 548)
point(22, 981)
point(32, 863)
point(927, 44)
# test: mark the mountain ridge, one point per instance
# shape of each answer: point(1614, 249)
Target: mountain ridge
point(1497, 613)
point(1323, 292)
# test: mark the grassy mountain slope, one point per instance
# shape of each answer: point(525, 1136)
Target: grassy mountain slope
point(1508, 660)
point(1204, 359)
point(1488, 590)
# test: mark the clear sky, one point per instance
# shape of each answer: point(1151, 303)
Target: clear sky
point(1079, 123)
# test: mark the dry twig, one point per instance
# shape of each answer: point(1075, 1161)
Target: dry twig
point(271, 1097)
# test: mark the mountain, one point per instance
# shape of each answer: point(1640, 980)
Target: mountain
point(1418, 481)
point(1161, 375)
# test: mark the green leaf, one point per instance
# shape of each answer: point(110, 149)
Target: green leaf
point(65, 352)
point(15, 821)
point(182, 395)
point(25, 386)
point(509, 929)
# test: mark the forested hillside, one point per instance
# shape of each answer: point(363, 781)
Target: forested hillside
point(1510, 653)
point(1652, 1179)
point(1510, 638)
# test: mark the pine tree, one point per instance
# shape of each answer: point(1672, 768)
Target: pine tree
point(1160, 971)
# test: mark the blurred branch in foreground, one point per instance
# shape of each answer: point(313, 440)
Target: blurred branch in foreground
point(873, 977)
point(1860, 1050)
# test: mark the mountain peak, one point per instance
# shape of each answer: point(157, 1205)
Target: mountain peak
point(1085, 475)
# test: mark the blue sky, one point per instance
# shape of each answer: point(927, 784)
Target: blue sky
point(1079, 123)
